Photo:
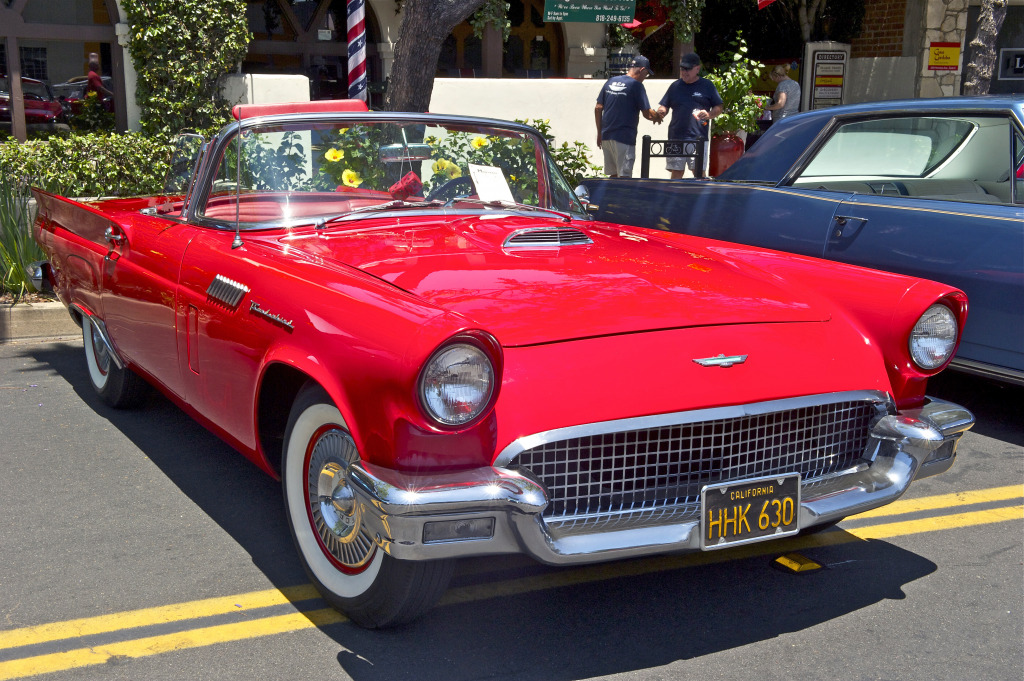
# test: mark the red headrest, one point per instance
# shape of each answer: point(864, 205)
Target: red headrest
point(241, 111)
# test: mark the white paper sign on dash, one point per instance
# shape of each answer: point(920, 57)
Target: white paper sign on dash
point(490, 183)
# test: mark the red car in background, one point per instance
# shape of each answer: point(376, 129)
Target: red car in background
point(43, 112)
point(412, 321)
point(72, 91)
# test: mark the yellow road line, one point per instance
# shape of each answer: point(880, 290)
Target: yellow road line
point(979, 496)
point(155, 645)
point(946, 522)
point(132, 619)
point(268, 626)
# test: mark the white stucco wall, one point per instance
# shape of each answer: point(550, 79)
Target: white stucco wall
point(567, 103)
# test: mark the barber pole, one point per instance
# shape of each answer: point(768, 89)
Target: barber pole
point(356, 50)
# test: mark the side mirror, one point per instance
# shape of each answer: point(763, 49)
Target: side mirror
point(583, 194)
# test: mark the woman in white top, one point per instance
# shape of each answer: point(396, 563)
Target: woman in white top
point(786, 100)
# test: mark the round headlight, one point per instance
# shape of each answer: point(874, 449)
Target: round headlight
point(934, 337)
point(457, 383)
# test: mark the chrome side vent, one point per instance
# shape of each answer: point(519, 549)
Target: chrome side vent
point(226, 291)
point(544, 237)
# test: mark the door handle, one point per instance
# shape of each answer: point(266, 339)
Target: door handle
point(113, 238)
point(842, 221)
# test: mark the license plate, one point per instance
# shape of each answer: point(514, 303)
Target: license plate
point(750, 510)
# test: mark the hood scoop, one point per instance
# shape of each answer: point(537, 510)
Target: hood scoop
point(544, 237)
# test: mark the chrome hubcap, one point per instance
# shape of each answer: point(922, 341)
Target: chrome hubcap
point(333, 508)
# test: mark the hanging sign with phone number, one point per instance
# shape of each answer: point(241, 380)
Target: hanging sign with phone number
point(612, 12)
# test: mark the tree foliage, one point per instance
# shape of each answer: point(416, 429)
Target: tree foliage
point(180, 49)
point(780, 30)
point(978, 71)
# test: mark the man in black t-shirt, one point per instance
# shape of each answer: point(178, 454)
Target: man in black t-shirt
point(617, 114)
point(694, 101)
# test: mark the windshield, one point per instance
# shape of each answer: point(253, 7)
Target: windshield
point(317, 169)
point(911, 146)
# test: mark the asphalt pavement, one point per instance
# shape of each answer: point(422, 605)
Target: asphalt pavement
point(136, 545)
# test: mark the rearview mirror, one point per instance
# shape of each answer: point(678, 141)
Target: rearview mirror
point(400, 153)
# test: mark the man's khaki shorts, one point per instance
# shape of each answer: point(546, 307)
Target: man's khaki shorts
point(618, 158)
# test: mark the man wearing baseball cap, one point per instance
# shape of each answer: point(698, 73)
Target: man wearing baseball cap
point(694, 101)
point(622, 100)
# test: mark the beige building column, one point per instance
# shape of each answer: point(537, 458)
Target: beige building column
point(131, 78)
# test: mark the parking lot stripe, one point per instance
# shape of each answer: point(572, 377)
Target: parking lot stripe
point(176, 612)
point(978, 496)
point(155, 645)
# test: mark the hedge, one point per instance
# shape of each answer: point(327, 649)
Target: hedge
point(96, 164)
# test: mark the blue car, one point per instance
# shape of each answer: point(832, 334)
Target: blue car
point(931, 188)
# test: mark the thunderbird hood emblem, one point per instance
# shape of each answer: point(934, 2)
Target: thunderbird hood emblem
point(721, 361)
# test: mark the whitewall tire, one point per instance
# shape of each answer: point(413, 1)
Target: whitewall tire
point(343, 560)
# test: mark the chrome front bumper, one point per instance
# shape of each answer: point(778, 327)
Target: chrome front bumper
point(397, 507)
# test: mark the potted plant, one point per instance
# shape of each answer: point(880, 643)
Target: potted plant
point(734, 79)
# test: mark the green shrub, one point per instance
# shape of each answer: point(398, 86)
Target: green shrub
point(180, 49)
point(571, 159)
point(735, 79)
point(89, 165)
point(17, 247)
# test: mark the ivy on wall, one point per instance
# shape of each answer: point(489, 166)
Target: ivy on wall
point(180, 49)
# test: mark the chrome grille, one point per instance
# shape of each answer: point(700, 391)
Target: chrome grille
point(647, 474)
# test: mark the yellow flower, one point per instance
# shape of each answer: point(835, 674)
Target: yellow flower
point(334, 155)
point(453, 171)
point(440, 165)
point(351, 178)
point(479, 142)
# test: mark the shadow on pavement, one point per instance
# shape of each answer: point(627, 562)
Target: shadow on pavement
point(243, 500)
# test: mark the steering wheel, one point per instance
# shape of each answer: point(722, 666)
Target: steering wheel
point(455, 187)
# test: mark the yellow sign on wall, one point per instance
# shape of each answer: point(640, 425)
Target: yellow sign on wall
point(944, 56)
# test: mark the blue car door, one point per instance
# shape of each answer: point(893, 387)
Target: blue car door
point(976, 247)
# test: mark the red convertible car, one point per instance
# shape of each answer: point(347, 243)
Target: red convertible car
point(411, 320)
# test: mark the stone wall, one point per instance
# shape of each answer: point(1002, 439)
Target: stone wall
point(945, 21)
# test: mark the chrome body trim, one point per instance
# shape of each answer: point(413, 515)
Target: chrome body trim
point(227, 291)
point(39, 275)
point(547, 237)
point(661, 420)
point(992, 371)
point(101, 329)
point(395, 506)
point(721, 360)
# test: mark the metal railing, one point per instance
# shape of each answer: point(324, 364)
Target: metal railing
point(696, 149)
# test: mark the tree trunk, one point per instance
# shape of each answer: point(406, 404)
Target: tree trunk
point(807, 11)
point(978, 72)
point(425, 25)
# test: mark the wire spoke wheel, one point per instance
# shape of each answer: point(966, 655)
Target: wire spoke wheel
point(333, 509)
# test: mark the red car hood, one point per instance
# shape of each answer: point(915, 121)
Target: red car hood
point(623, 282)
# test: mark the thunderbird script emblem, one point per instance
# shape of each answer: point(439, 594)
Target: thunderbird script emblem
point(721, 361)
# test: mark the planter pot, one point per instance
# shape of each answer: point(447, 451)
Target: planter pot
point(726, 149)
